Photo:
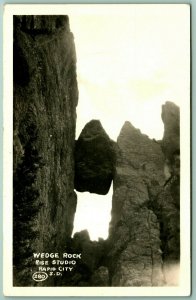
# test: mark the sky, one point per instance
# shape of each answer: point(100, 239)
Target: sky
point(130, 61)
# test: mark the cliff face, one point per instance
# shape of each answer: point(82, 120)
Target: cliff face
point(167, 206)
point(45, 99)
point(134, 243)
point(144, 240)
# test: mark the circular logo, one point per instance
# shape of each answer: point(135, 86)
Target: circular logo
point(39, 276)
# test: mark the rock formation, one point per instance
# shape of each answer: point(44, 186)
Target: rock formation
point(144, 235)
point(171, 139)
point(89, 270)
point(167, 205)
point(134, 243)
point(144, 240)
point(94, 159)
point(45, 99)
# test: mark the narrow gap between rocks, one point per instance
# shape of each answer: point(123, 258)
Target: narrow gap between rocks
point(93, 213)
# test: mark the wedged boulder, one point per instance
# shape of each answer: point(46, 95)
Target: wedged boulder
point(94, 159)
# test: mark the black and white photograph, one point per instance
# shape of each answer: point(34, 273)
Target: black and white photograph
point(97, 143)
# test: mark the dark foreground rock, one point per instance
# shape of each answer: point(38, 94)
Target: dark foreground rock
point(94, 159)
point(45, 99)
point(89, 270)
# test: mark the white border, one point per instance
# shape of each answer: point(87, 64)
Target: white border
point(9, 290)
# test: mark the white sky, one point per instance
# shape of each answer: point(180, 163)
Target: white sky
point(130, 61)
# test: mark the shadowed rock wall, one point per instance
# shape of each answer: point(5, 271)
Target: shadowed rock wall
point(45, 99)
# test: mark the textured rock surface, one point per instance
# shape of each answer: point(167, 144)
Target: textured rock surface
point(94, 159)
point(100, 277)
point(143, 248)
point(45, 98)
point(144, 240)
point(167, 204)
point(135, 256)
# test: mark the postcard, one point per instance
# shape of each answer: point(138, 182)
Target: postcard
point(97, 150)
